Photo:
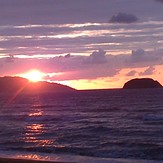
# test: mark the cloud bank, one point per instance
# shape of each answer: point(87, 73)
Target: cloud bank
point(98, 64)
point(123, 18)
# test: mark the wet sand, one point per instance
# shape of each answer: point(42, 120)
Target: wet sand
point(83, 160)
point(11, 160)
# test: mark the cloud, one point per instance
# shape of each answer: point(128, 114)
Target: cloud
point(137, 55)
point(97, 57)
point(68, 55)
point(123, 18)
point(87, 74)
point(67, 67)
point(159, 0)
point(141, 57)
point(138, 52)
point(54, 39)
point(149, 71)
point(81, 67)
point(98, 64)
point(10, 59)
point(131, 73)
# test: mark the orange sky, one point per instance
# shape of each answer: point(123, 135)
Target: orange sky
point(113, 82)
point(99, 83)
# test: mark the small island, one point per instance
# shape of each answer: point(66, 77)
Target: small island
point(18, 84)
point(142, 83)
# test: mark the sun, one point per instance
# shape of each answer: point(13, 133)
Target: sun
point(33, 75)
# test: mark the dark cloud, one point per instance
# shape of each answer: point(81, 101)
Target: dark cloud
point(68, 55)
point(10, 59)
point(131, 73)
point(123, 18)
point(138, 54)
point(97, 57)
point(149, 71)
point(142, 57)
point(159, 0)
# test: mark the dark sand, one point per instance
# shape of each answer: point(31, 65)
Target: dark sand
point(11, 160)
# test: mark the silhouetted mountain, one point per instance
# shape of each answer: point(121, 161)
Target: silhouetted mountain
point(18, 84)
point(142, 83)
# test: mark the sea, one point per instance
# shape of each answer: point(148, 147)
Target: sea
point(105, 126)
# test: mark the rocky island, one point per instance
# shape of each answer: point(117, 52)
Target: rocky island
point(142, 83)
point(19, 84)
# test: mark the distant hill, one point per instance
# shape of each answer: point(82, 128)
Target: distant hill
point(14, 84)
point(142, 83)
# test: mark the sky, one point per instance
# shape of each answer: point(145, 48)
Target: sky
point(86, 44)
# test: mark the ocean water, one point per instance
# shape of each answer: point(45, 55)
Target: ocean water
point(83, 126)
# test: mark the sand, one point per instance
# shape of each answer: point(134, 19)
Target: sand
point(11, 160)
point(86, 160)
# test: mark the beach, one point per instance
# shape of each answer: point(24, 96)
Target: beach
point(79, 160)
point(11, 160)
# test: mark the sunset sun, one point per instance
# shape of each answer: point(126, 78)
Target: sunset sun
point(34, 75)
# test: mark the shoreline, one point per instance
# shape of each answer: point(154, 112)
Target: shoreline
point(13, 157)
point(17, 160)
point(81, 160)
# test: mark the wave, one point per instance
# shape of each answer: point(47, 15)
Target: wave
point(153, 118)
point(144, 153)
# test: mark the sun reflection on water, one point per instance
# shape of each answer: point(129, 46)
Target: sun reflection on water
point(35, 128)
point(35, 114)
point(34, 134)
point(32, 157)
